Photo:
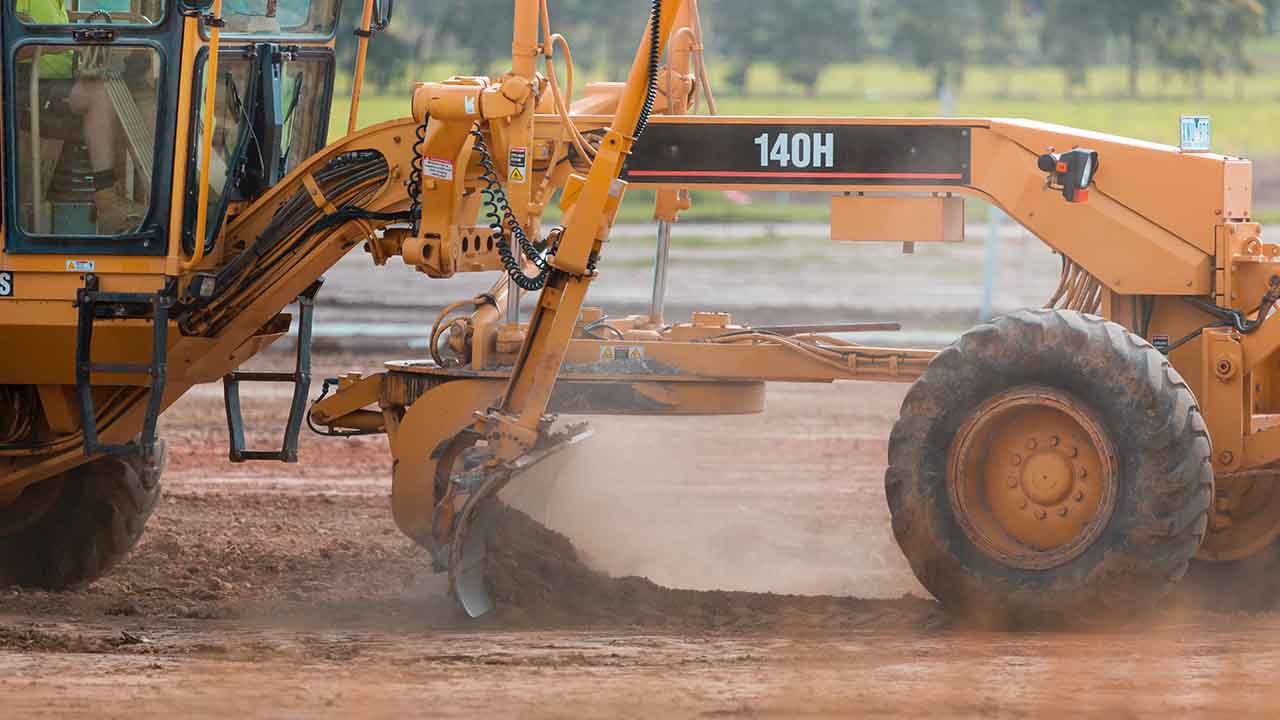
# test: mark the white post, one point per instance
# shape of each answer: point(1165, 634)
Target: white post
point(995, 230)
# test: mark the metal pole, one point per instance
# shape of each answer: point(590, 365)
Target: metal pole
point(995, 227)
point(660, 272)
point(513, 299)
point(362, 56)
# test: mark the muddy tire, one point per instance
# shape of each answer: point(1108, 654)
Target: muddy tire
point(1048, 469)
point(95, 521)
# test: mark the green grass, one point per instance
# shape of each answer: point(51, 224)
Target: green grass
point(1245, 109)
point(1245, 112)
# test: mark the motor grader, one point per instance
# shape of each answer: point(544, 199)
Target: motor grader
point(168, 195)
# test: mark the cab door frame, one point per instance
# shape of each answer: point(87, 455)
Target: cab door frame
point(164, 38)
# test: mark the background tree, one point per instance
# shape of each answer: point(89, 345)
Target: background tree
point(1003, 27)
point(738, 39)
point(806, 36)
point(935, 36)
point(1206, 37)
point(1073, 39)
point(1134, 20)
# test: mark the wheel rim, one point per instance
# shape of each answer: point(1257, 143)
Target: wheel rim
point(1032, 478)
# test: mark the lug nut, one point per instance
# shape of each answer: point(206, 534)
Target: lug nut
point(1022, 504)
point(1013, 481)
point(1079, 496)
point(1017, 460)
point(1084, 473)
point(1055, 440)
point(1041, 514)
point(1075, 452)
point(1031, 444)
point(1062, 512)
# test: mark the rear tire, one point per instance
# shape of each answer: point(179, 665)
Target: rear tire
point(96, 520)
point(972, 523)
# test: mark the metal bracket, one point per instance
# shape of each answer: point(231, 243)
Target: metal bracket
point(301, 380)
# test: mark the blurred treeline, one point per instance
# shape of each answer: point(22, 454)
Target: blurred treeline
point(1198, 39)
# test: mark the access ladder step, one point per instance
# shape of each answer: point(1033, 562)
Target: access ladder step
point(300, 378)
point(94, 305)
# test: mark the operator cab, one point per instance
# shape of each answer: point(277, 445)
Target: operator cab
point(276, 69)
point(95, 138)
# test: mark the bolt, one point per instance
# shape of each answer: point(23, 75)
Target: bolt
point(1084, 473)
point(1225, 368)
point(1079, 496)
point(1022, 504)
point(1227, 457)
point(1041, 514)
point(1013, 481)
point(1055, 440)
point(1017, 460)
point(1031, 444)
point(1075, 452)
point(1062, 512)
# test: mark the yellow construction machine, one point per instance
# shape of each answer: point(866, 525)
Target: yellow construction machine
point(168, 195)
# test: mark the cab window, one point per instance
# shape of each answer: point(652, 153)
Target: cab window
point(92, 12)
point(280, 18)
point(86, 137)
point(305, 82)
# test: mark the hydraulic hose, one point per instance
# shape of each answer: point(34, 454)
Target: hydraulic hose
point(655, 64)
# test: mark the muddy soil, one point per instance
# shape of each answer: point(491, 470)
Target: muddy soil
point(285, 591)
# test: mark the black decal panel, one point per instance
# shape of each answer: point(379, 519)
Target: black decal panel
point(687, 153)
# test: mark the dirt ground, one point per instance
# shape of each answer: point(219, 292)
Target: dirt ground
point(279, 591)
point(285, 591)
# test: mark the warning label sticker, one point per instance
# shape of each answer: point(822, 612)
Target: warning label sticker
point(438, 168)
point(621, 353)
point(518, 164)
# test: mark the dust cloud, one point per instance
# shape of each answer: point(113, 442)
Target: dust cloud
point(668, 500)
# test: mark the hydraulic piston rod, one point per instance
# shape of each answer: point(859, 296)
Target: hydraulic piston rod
point(660, 272)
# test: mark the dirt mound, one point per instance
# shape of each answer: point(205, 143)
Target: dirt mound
point(537, 578)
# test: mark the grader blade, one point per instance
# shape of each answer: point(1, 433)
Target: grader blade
point(468, 546)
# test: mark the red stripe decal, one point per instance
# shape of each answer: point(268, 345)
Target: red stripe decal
point(803, 175)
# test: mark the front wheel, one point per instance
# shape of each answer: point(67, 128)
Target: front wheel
point(1049, 468)
point(88, 520)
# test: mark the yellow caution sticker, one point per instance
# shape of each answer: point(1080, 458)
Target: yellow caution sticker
point(621, 353)
point(518, 164)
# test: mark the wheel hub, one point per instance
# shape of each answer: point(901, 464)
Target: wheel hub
point(1031, 478)
point(1046, 478)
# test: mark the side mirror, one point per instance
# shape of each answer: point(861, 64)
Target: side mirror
point(382, 12)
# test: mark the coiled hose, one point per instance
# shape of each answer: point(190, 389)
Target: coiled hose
point(414, 186)
point(503, 224)
point(655, 64)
